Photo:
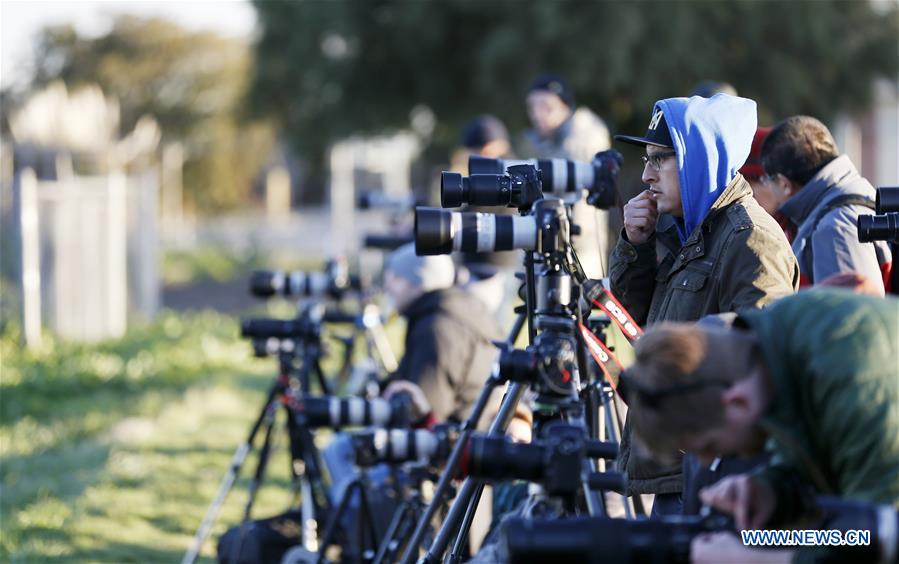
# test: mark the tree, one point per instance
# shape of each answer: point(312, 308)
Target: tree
point(330, 68)
point(192, 83)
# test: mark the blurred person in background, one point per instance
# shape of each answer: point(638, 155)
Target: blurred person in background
point(449, 351)
point(489, 276)
point(719, 250)
point(561, 130)
point(485, 136)
point(822, 194)
point(753, 171)
point(708, 88)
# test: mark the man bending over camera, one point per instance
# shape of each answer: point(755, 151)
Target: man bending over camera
point(813, 379)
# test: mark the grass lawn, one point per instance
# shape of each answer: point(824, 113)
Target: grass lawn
point(112, 452)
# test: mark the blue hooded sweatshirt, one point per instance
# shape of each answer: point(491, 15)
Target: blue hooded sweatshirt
point(712, 138)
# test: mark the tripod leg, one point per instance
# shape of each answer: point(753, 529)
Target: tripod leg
point(391, 537)
point(254, 486)
point(366, 524)
point(334, 519)
point(462, 536)
point(240, 455)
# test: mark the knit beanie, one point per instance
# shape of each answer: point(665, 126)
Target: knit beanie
point(428, 272)
point(555, 84)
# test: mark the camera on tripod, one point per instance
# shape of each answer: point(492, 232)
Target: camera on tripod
point(334, 281)
point(601, 539)
point(440, 232)
point(667, 540)
point(395, 446)
point(885, 225)
point(555, 461)
point(317, 412)
point(497, 182)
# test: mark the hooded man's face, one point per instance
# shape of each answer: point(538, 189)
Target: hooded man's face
point(664, 183)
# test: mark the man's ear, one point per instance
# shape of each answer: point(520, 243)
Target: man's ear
point(737, 397)
point(790, 187)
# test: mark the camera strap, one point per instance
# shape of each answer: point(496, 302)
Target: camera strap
point(606, 301)
point(606, 360)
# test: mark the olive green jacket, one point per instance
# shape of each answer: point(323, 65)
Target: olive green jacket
point(833, 360)
point(738, 258)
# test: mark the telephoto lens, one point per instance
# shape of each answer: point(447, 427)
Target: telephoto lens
point(883, 227)
point(398, 446)
point(555, 461)
point(886, 199)
point(440, 232)
point(477, 190)
point(265, 283)
point(351, 412)
point(599, 540)
point(565, 178)
point(334, 281)
point(279, 329)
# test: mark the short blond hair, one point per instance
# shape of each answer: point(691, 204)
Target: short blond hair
point(674, 356)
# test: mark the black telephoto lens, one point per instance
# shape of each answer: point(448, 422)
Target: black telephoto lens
point(452, 189)
point(883, 227)
point(484, 165)
point(433, 231)
point(886, 199)
point(497, 458)
point(476, 190)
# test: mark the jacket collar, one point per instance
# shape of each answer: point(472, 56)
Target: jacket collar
point(736, 190)
point(800, 206)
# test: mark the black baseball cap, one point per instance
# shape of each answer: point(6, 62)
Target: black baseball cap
point(656, 134)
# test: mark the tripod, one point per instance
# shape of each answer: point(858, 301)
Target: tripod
point(404, 518)
point(555, 293)
point(305, 469)
point(366, 534)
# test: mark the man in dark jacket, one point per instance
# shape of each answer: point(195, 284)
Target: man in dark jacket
point(822, 194)
point(813, 380)
point(449, 351)
point(696, 242)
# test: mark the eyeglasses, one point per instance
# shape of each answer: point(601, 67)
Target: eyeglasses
point(655, 161)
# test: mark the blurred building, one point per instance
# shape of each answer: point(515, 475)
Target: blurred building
point(80, 215)
point(872, 139)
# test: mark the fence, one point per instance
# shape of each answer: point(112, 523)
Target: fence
point(85, 251)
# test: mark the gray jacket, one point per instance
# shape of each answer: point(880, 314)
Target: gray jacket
point(832, 245)
point(738, 258)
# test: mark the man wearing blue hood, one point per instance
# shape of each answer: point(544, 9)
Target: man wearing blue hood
point(695, 242)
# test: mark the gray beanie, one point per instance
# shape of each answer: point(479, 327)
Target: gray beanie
point(428, 273)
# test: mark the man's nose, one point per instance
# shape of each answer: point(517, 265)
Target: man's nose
point(649, 174)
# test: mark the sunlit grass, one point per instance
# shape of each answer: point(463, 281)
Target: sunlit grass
point(113, 452)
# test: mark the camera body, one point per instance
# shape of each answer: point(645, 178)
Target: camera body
point(518, 187)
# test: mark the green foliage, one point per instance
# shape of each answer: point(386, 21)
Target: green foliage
point(192, 83)
point(336, 67)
